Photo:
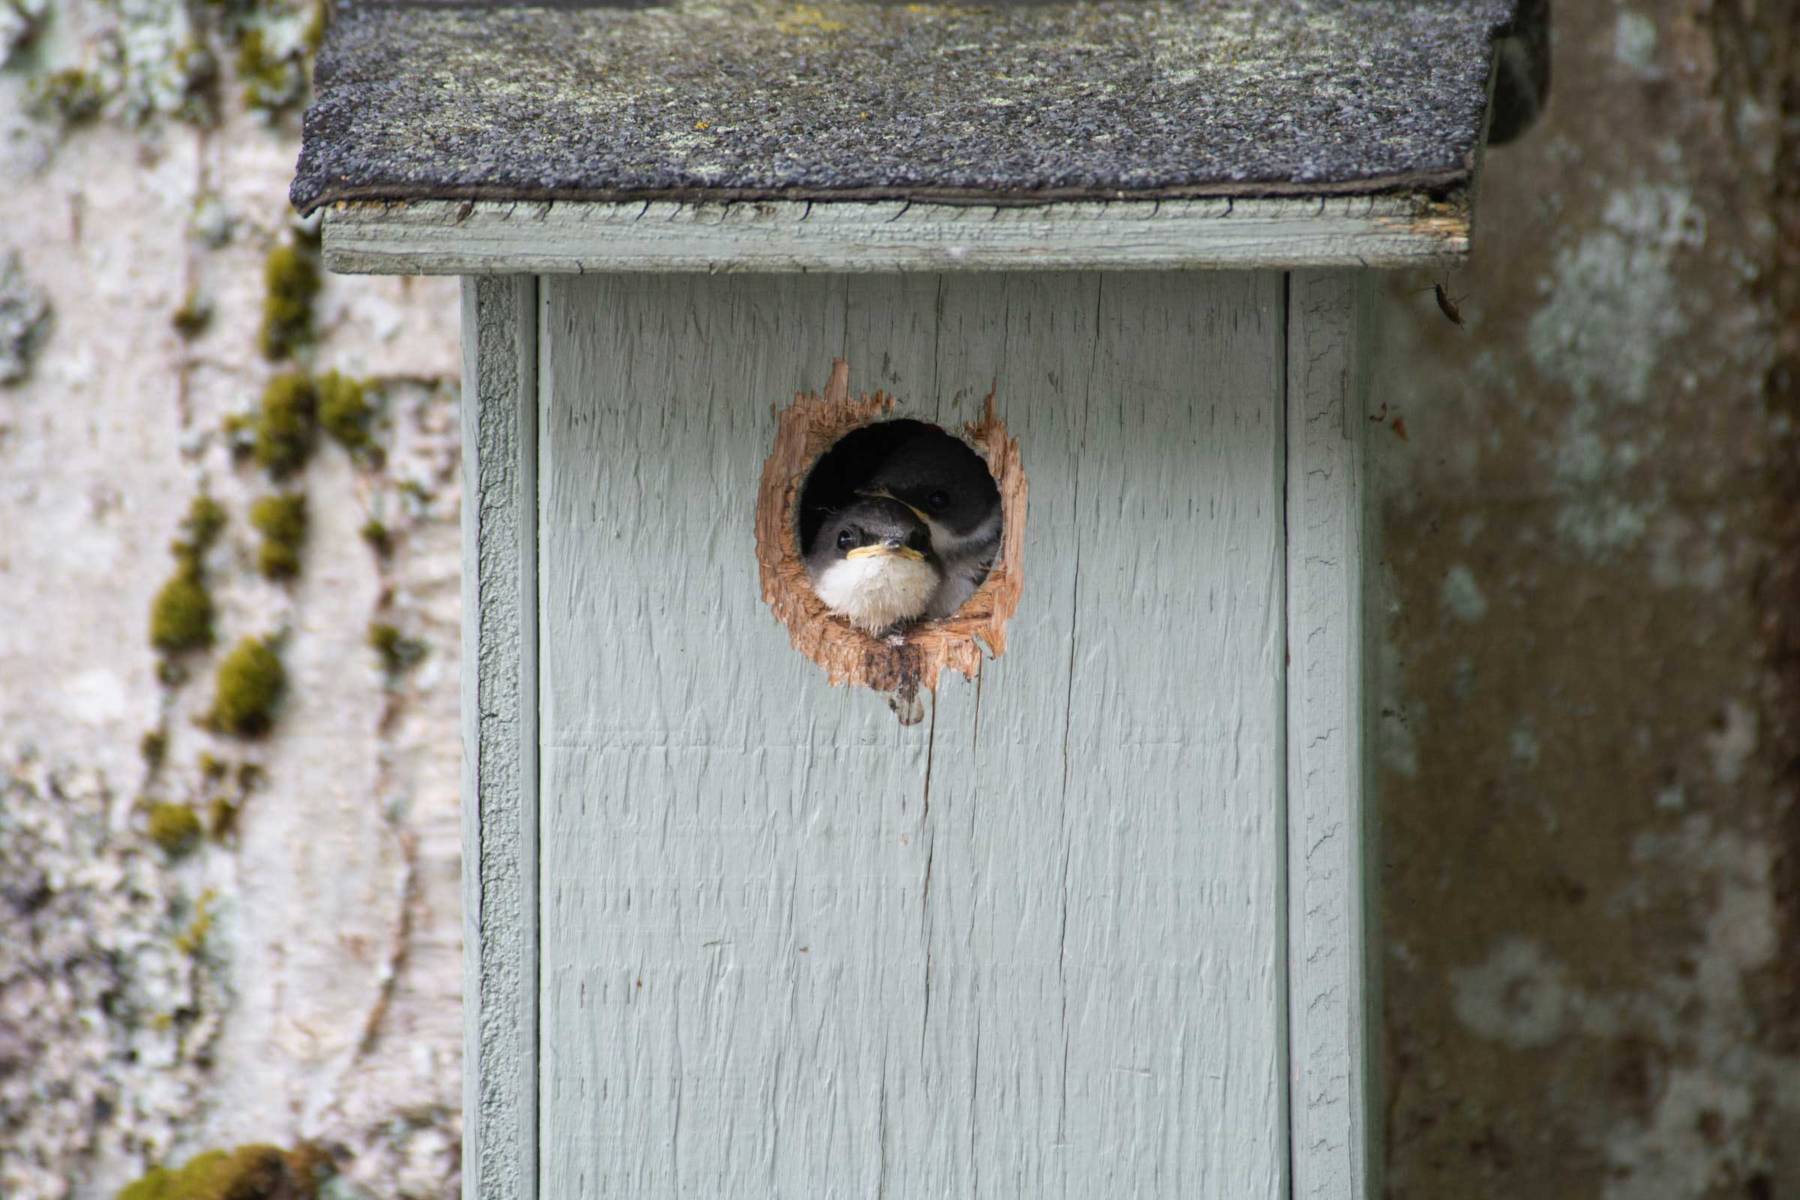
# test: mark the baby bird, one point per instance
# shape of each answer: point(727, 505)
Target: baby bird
point(949, 488)
point(871, 563)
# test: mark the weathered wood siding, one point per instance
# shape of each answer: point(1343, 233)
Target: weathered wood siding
point(1334, 1110)
point(500, 737)
point(436, 237)
point(1034, 946)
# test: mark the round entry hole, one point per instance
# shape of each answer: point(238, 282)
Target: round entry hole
point(828, 457)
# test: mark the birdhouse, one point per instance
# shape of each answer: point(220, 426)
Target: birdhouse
point(1064, 891)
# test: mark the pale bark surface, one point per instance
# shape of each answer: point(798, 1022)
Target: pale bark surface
point(298, 978)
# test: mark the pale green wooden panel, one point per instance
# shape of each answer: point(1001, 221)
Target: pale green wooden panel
point(485, 237)
point(500, 760)
point(1032, 946)
point(1333, 953)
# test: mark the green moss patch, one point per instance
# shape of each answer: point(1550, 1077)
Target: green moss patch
point(72, 96)
point(222, 817)
point(396, 651)
point(281, 519)
point(197, 71)
point(192, 318)
point(314, 37)
point(272, 82)
point(174, 827)
point(378, 536)
point(250, 683)
point(192, 940)
point(286, 427)
point(181, 615)
point(344, 410)
point(246, 1173)
point(200, 529)
point(291, 284)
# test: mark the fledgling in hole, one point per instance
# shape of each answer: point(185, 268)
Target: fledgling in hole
point(871, 563)
point(949, 488)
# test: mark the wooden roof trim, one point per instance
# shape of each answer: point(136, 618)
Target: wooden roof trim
point(486, 237)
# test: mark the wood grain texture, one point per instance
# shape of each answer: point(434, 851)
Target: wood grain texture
point(570, 237)
point(1032, 946)
point(1329, 880)
point(499, 728)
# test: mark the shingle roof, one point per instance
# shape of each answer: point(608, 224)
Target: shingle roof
point(864, 99)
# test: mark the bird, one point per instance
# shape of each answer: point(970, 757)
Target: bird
point(871, 563)
point(949, 488)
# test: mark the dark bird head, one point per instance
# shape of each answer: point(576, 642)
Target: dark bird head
point(946, 485)
point(872, 563)
point(872, 526)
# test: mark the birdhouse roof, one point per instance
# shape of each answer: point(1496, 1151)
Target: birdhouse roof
point(700, 101)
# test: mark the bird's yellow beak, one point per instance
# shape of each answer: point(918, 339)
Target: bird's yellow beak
point(884, 551)
point(884, 494)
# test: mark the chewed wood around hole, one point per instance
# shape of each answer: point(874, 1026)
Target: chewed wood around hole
point(805, 432)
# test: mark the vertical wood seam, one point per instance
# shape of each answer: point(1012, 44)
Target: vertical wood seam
point(469, 723)
point(1366, 534)
point(533, 396)
point(1284, 1062)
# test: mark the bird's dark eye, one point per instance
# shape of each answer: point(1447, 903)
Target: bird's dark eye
point(846, 540)
point(937, 501)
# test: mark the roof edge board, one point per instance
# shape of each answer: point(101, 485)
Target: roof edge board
point(496, 237)
point(1410, 184)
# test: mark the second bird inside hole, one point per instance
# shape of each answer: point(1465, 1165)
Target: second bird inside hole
point(899, 522)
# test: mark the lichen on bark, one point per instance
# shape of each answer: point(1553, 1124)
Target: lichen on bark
point(1603, 458)
point(20, 21)
point(24, 319)
point(105, 1026)
point(146, 220)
